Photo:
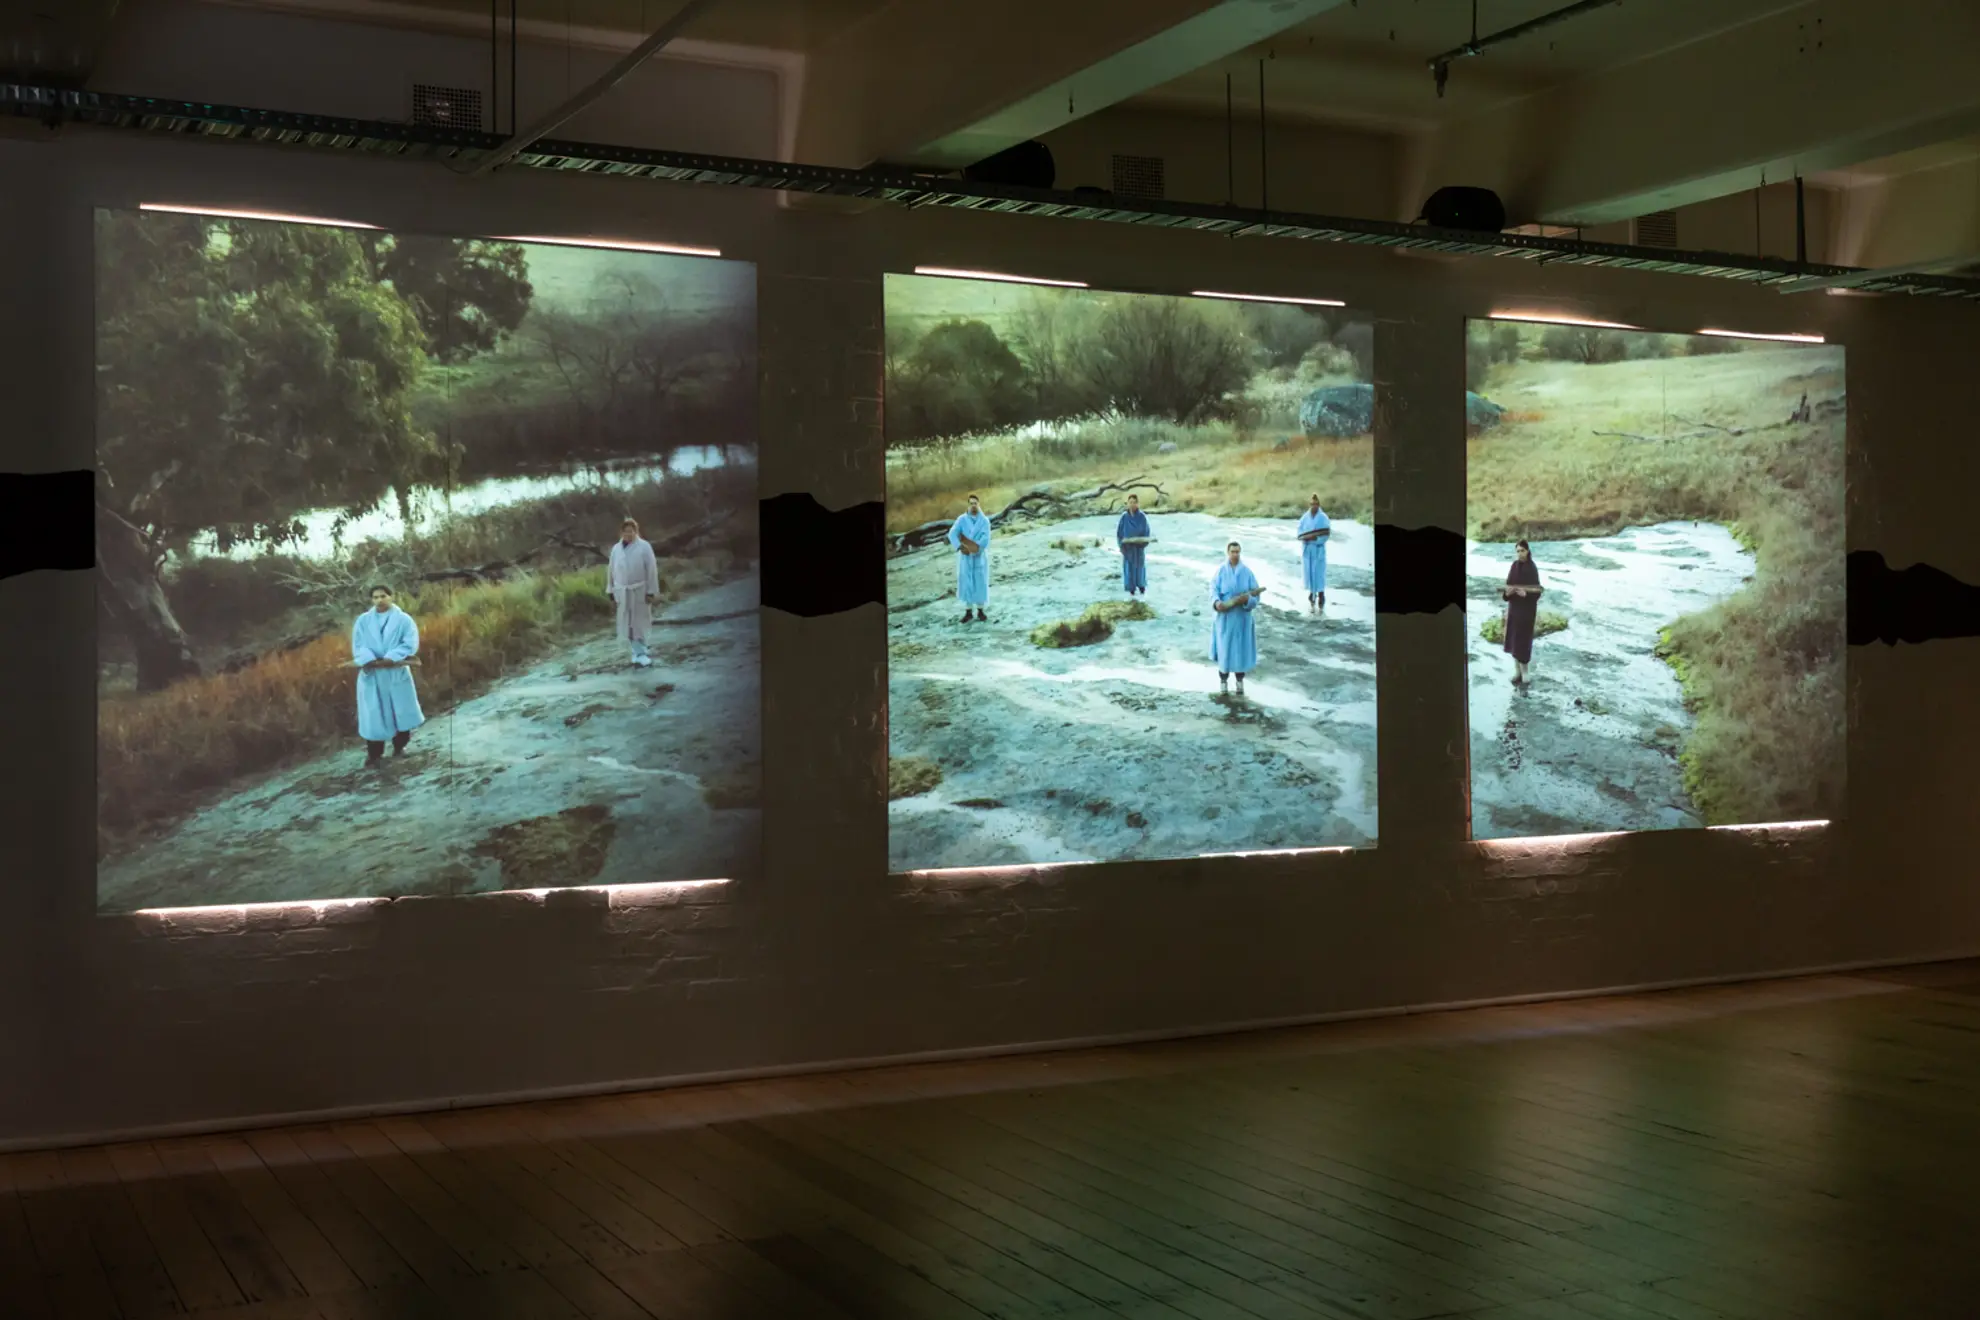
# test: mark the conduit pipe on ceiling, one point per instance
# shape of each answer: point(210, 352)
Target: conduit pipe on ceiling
point(250, 126)
point(1858, 278)
point(612, 77)
point(1440, 65)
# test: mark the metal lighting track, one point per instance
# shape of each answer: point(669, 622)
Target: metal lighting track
point(53, 106)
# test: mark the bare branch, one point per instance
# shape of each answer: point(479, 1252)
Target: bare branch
point(1032, 504)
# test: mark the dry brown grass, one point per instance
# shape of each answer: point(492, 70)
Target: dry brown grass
point(1095, 624)
point(1213, 469)
point(160, 754)
point(1763, 670)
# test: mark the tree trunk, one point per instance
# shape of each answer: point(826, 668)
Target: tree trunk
point(135, 598)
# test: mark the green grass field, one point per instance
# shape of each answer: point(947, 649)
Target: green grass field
point(1763, 670)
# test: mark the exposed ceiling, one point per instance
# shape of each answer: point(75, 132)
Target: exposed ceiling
point(1627, 108)
point(790, 25)
point(1367, 64)
point(53, 40)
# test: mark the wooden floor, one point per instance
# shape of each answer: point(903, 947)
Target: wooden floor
point(1795, 1149)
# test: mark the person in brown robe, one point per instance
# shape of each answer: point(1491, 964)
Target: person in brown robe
point(1522, 597)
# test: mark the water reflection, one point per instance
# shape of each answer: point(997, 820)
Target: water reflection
point(322, 537)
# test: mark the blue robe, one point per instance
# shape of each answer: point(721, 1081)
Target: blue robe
point(1314, 552)
point(972, 571)
point(1233, 633)
point(1134, 558)
point(386, 701)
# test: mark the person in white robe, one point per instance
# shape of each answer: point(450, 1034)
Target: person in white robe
point(970, 535)
point(1234, 596)
point(632, 582)
point(384, 641)
point(1314, 528)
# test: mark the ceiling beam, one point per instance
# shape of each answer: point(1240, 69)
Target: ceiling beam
point(1926, 219)
point(939, 84)
point(50, 41)
point(1813, 86)
point(248, 126)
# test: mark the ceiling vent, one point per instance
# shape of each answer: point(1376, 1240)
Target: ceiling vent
point(1658, 229)
point(1138, 176)
point(446, 107)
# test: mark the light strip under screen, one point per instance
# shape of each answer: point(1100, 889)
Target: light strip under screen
point(320, 905)
point(1547, 318)
point(281, 217)
point(617, 244)
point(1270, 298)
point(1748, 334)
point(1000, 277)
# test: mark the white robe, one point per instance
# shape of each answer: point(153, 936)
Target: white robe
point(387, 702)
point(631, 576)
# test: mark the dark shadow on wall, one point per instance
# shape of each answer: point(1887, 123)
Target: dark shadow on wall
point(1916, 604)
point(820, 561)
point(1418, 570)
point(47, 520)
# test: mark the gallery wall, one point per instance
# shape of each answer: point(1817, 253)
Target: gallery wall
point(146, 1022)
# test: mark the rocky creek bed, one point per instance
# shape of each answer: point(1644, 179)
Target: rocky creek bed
point(1591, 742)
point(1123, 748)
point(579, 770)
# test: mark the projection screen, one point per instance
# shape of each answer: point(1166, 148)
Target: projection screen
point(429, 565)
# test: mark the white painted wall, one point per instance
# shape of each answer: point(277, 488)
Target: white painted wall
point(112, 1024)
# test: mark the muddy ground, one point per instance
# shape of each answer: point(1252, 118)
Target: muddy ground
point(1591, 743)
point(579, 770)
point(1124, 749)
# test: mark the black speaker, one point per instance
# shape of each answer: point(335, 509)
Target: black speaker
point(1027, 165)
point(1465, 208)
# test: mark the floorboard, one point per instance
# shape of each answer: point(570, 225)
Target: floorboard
point(1801, 1148)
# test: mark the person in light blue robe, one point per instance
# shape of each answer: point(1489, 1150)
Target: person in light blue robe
point(970, 535)
point(1131, 535)
point(1234, 593)
point(383, 641)
point(1314, 527)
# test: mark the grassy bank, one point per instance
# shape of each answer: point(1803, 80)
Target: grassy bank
point(1762, 670)
point(161, 754)
point(1214, 468)
point(234, 609)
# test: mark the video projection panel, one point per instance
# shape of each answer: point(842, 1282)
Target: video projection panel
point(1131, 608)
point(1656, 579)
point(374, 622)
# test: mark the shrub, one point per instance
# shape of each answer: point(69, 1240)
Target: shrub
point(1357, 340)
point(960, 379)
point(1493, 629)
point(911, 776)
point(1284, 334)
point(214, 597)
point(1585, 344)
point(1505, 342)
point(1164, 357)
point(1096, 624)
point(1477, 361)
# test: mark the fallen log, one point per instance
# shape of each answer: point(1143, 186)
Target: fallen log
point(1032, 504)
point(1714, 426)
point(1651, 439)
